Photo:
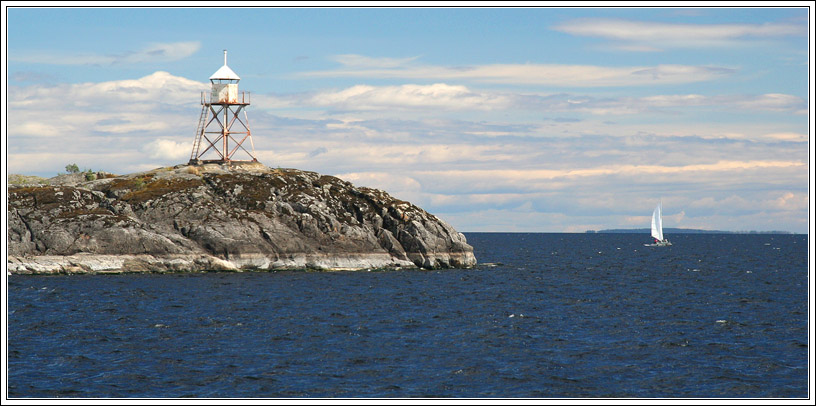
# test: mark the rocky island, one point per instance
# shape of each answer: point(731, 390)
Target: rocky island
point(221, 217)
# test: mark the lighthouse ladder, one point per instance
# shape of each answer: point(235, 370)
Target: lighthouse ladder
point(199, 132)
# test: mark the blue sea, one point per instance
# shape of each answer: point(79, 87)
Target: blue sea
point(542, 316)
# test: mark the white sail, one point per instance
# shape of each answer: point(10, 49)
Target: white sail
point(657, 223)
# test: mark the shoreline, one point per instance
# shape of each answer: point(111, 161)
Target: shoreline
point(85, 263)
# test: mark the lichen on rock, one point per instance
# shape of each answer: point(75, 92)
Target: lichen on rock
point(243, 216)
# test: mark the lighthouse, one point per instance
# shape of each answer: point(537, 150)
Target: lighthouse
point(222, 129)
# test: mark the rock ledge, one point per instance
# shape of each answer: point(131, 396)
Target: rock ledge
point(208, 217)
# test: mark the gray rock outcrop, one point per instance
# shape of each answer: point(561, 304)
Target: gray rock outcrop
point(217, 217)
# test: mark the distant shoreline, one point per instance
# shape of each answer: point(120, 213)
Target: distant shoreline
point(682, 231)
point(647, 231)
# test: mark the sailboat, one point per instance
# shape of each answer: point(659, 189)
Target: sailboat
point(657, 228)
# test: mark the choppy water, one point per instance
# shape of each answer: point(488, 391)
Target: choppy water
point(557, 315)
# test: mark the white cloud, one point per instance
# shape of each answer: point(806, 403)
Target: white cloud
point(129, 126)
point(341, 150)
point(790, 136)
point(396, 184)
point(545, 74)
point(116, 107)
point(527, 180)
point(164, 149)
point(34, 129)
point(153, 53)
point(773, 102)
point(676, 100)
point(636, 48)
point(644, 36)
point(440, 95)
point(90, 123)
point(763, 102)
point(792, 201)
point(736, 204)
point(446, 97)
point(159, 88)
point(361, 61)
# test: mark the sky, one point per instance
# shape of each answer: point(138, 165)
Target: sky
point(522, 119)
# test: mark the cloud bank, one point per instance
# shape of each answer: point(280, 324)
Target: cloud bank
point(531, 175)
point(657, 36)
point(537, 74)
point(459, 97)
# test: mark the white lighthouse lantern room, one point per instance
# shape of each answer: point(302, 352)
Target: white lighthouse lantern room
point(222, 129)
point(224, 84)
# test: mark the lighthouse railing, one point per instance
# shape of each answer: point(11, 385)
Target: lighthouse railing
point(241, 98)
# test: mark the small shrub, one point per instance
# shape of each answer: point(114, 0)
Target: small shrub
point(104, 175)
